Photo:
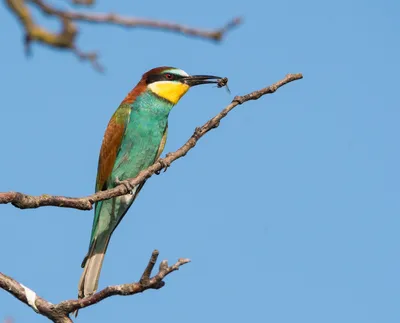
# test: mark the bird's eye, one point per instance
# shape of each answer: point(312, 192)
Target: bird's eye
point(169, 76)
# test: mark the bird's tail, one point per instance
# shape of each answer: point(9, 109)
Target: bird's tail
point(111, 212)
point(92, 266)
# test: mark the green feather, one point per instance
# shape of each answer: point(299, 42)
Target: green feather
point(140, 143)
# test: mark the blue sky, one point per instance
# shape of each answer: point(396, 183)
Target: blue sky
point(289, 210)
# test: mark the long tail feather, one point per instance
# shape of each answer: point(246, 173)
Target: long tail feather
point(92, 267)
point(92, 264)
point(113, 211)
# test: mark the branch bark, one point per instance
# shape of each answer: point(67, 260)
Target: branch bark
point(60, 312)
point(24, 201)
point(83, 2)
point(66, 38)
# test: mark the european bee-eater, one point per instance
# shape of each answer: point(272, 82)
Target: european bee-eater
point(134, 139)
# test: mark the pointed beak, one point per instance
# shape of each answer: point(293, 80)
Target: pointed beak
point(200, 79)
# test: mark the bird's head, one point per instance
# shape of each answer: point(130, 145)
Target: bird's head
point(172, 83)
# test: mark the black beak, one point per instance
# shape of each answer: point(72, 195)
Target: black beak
point(200, 79)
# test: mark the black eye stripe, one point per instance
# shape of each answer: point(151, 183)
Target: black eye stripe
point(163, 77)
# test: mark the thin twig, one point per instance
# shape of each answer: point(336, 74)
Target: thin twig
point(83, 2)
point(147, 272)
point(24, 201)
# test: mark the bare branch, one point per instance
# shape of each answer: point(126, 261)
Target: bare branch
point(114, 19)
point(83, 2)
point(24, 201)
point(66, 38)
point(60, 312)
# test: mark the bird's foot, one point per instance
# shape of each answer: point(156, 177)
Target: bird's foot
point(164, 165)
point(128, 185)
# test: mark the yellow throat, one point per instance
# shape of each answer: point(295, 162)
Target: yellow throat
point(171, 91)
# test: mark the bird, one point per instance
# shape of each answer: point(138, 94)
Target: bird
point(134, 139)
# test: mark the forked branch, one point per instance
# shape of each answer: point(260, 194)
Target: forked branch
point(60, 312)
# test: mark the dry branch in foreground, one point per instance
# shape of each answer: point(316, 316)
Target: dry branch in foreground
point(24, 201)
point(60, 312)
point(66, 38)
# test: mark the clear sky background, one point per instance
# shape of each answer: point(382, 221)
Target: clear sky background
point(289, 210)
